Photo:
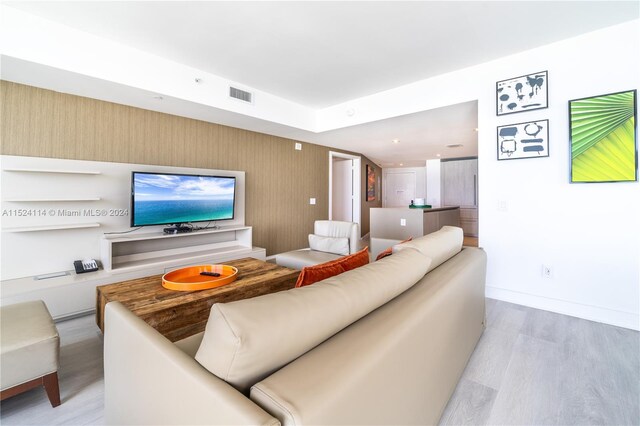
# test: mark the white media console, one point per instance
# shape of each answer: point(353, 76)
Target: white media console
point(143, 251)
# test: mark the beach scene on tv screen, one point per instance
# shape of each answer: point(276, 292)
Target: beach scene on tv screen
point(165, 199)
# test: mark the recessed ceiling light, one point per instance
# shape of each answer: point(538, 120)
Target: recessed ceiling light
point(197, 80)
point(351, 112)
point(401, 164)
point(437, 155)
point(476, 129)
point(158, 97)
point(395, 140)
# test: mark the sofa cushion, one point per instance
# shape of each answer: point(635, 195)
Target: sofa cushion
point(335, 245)
point(313, 274)
point(247, 340)
point(438, 246)
point(337, 228)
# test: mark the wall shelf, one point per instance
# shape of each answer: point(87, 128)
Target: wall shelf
point(51, 227)
point(73, 172)
point(47, 200)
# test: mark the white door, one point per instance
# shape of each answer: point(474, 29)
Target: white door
point(342, 192)
point(400, 189)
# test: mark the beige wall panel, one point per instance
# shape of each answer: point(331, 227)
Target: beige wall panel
point(280, 180)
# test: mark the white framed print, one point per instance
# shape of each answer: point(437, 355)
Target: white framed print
point(521, 94)
point(523, 140)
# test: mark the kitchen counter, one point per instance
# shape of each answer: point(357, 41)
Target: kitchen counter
point(436, 218)
point(438, 209)
point(389, 226)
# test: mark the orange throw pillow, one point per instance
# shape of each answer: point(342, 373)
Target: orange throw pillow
point(384, 254)
point(313, 274)
point(354, 260)
point(388, 252)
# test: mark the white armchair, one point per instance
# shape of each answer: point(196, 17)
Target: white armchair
point(331, 239)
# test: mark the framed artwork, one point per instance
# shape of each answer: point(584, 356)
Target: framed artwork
point(524, 93)
point(523, 140)
point(603, 134)
point(371, 183)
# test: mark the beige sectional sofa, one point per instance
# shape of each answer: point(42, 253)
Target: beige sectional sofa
point(382, 344)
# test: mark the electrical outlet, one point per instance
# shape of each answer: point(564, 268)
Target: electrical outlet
point(312, 201)
point(503, 206)
point(403, 222)
point(547, 271)
point(298, 146)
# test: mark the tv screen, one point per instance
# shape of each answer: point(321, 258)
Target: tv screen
point(164, 198)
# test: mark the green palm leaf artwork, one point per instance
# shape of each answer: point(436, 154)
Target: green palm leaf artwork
point(603, 138)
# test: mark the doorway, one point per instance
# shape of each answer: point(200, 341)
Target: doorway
point(344, 187)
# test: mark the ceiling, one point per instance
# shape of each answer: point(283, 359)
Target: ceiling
point(420, 136)
point(320, 54)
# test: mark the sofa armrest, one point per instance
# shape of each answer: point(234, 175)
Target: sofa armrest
point(149, 380)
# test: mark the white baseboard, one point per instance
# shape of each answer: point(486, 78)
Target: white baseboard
point(593, 313)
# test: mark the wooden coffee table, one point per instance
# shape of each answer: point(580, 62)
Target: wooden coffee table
point(180, 314)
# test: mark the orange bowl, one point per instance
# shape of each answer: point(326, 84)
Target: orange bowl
point(189, 278)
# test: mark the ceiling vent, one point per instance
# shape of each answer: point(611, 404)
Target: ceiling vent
point(454, 145)
point(240, 95)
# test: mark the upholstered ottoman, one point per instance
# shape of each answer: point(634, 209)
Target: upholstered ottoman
point(29, 350)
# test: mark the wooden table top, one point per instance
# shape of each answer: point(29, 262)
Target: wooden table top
point(149, 300)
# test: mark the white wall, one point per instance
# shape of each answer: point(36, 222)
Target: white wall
point(421, 180)
point(588, 233)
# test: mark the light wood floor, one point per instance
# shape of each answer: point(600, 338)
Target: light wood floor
point(536, 367)
point(530, 367)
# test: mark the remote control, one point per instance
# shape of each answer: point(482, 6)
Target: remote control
point(210, 274)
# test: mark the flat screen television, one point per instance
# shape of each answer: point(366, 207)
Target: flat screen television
point(174, 199)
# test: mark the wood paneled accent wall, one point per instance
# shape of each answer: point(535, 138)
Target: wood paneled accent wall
point(279, 180)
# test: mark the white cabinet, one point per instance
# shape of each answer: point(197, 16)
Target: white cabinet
point(460, 183)
point(460, 188)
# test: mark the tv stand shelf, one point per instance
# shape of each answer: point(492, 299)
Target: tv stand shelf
point(130, 252)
